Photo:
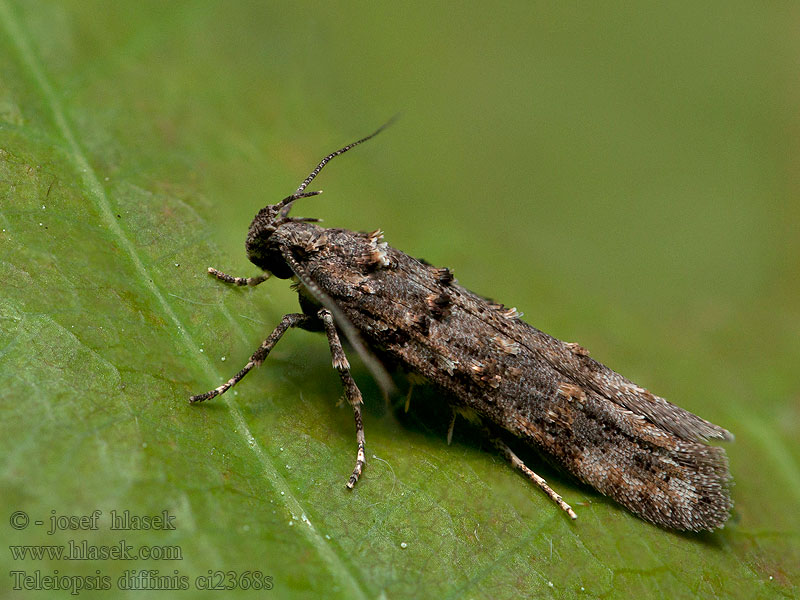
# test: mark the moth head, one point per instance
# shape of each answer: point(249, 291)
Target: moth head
point(261, 249)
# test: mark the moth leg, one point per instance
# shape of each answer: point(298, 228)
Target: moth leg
point(414, 380)
point(353, 394)
point(451, 426)
point(408, 397)
point(517, 462)
point(251, 281)
point(290, 320)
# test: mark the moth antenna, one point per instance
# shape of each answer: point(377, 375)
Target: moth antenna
point(289, 199)
point(351, 333)
point(287, 202)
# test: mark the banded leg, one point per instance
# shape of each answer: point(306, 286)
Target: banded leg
point(351, 391)
point(517, 462)
point(290, 320)
point(251, 281)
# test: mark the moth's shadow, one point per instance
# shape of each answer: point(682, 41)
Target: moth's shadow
point(429, 413)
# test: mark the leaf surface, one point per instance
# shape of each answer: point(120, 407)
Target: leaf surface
point(135, 146)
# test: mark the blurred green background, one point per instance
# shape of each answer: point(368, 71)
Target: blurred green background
point(624, 174)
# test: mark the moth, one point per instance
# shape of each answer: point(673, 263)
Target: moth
point(649, 455)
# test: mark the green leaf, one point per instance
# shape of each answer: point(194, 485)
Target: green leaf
point(622, 176)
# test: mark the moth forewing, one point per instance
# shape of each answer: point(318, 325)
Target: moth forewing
point(612, 434)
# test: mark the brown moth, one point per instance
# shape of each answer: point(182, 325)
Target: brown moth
point(644, 452)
